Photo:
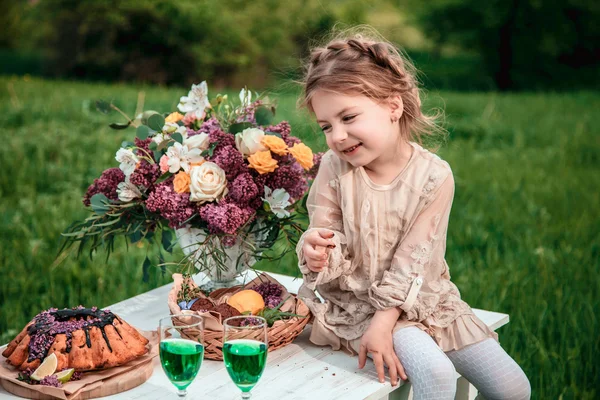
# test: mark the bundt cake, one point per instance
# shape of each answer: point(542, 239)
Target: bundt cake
point(82, 338)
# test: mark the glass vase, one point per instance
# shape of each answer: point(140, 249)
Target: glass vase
point(235, 259)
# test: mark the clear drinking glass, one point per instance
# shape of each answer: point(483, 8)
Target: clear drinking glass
point(181, 349)
point(245, 347)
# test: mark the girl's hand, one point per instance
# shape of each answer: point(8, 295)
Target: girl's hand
point(377, 340)
point(315, 248)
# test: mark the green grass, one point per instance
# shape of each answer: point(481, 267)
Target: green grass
point(524, 235)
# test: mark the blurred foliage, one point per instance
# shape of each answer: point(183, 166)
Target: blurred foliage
point(524, 44)
point(229, 42)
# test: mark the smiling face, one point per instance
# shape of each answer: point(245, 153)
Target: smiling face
point(358, 129)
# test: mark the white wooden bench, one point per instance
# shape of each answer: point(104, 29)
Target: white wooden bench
point(300, 370)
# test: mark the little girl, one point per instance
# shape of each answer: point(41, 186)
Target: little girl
point(379, 210)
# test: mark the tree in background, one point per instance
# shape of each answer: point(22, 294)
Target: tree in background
point(230, 42)
point(525, 44)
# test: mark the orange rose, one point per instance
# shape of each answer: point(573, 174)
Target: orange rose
point(262, 162)
point(181, 183)
point(303, 154)
point(174, 117)
point(275, 144)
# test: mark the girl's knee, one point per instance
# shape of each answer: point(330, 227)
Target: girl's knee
point(440, 372)
point(517, 388)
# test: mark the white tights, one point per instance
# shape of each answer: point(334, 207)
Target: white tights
point(485, 364)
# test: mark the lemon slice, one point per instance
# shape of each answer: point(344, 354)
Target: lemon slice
point(46, 368)
point(65, 376)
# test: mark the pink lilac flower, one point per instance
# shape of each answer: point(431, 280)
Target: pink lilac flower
point(260, 181)
point(271, 292)
point(51, 380)
point(250, 321)
point(228, 241)
point(248, 113)
point(289, 177)
point(145, 174)
point(224, 139)
point(284, 129)
point(106, 184)
point(174, 207)
point(143, 144)
point(225, 217)
point(230, 160)
point(208, 126)
point(243, 189)
point(77, 375)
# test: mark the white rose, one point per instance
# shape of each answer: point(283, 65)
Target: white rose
point(199, 141)
point(208, 183)
point(249, 140)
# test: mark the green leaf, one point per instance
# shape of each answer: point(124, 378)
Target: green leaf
point(119, 126)
point(240, 126)
point(274, 134)
point(103, 106)
point(167, 238)
point(142, 132)
point(264, 116)
point(153, 146)
point(156, 122)
point(125, 144)
point(146, 270)
point(161, 263)
point(177, 137)
point(209, 152)
point(157, 154)
point(135, 236)
point(100, 203)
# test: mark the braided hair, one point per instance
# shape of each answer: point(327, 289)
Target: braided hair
point(356, 64)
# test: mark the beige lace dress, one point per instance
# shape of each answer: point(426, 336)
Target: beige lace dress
point(390, 244)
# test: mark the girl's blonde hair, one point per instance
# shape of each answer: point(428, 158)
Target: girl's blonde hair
point(361, 62)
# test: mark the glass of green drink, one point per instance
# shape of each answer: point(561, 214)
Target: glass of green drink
point(181, 349)
point(245, 346)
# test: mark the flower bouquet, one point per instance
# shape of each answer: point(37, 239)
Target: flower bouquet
point(218, 173)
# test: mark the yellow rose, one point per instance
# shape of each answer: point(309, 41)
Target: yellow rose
point(181, 183)
point(275, 144)
point(303, 154)
point(262, 162)
point(174, 117)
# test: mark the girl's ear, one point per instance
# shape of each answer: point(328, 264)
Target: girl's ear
point(396, 106)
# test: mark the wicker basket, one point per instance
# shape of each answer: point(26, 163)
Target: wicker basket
point(281, 334)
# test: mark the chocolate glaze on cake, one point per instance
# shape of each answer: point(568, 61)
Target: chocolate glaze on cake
point(47, 324)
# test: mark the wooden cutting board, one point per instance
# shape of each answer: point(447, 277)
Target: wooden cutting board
point(113, 385)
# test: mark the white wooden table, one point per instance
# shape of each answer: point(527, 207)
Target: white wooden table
point(300, 370)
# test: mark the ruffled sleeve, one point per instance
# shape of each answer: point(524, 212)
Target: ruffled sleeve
point(405, 285)
point(324, 212)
